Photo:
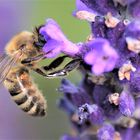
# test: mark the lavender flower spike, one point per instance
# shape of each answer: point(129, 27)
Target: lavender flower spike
point(102, 56)
point(56, 40)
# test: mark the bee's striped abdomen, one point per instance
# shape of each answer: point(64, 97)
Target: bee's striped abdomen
point(25, 93)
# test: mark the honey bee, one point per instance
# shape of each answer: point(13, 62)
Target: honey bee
point(23, 52)
point(16, 76)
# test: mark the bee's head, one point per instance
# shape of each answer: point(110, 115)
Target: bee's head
point(23, 43)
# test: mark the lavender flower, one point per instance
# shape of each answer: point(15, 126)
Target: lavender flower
point(102, 56)
point(56, 40)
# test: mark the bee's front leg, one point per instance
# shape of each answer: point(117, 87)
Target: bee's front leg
point(33, 59)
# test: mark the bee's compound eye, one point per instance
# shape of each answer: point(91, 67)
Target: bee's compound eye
point(39, 44)
point(41, 38)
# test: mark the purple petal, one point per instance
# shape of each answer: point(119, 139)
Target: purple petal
point(53, 30)
point(126, 104)
point(133, 30)
point(98, 68)
point(96, 116)
point(52, 48)
point(106, 132)
point(70, 48)
point(90, 57)
point(101, 56)
point(110, 65)
point(81, 6)
point(90, 112)
point(68, 87)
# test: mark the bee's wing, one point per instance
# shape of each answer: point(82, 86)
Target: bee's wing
point(6, 64)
